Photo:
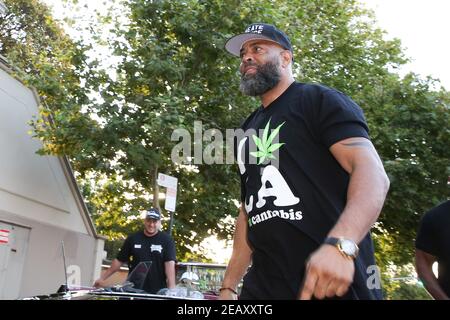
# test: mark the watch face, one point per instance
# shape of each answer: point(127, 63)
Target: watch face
point(348, 247)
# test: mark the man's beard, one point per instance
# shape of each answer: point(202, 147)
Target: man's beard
point(266, 77)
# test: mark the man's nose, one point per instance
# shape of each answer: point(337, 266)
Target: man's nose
point(246, 57)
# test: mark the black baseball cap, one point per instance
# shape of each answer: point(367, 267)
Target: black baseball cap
point(258, 31)
point(153, 213)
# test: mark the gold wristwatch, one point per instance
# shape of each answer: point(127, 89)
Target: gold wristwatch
point(348, 248)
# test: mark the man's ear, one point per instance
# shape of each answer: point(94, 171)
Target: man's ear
point(286, 56)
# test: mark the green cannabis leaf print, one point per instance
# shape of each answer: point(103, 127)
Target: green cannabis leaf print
point(264, 145)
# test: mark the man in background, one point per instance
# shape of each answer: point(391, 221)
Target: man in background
point(148, 245)
point(433, 245)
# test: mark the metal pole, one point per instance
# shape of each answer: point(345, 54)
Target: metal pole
point(65, 266)
point(171, 223)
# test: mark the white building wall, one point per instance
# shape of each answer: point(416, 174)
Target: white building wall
point(31, 185)
point(38, 192)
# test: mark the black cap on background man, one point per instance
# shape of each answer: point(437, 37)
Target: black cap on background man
point(153, 213)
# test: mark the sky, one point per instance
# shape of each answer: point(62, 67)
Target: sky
point(422, 27)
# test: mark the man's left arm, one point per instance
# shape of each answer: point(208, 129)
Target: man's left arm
point(328, 273)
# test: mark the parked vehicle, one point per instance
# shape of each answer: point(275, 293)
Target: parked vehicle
point(195, 281)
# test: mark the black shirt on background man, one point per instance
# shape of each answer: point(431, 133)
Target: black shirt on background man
point(433, 244)
point(157, 249)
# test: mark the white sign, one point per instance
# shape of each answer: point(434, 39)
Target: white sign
point(171, 193)
point(167, 181)
point(171, 199)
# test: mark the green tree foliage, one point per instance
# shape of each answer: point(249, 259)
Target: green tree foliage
point(400, 283)
point(411, 132)
point(44, 57)
point(172, 71)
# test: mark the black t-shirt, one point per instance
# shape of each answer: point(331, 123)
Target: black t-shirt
point(157, 249)
point(433, 237)
point(303, 189)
